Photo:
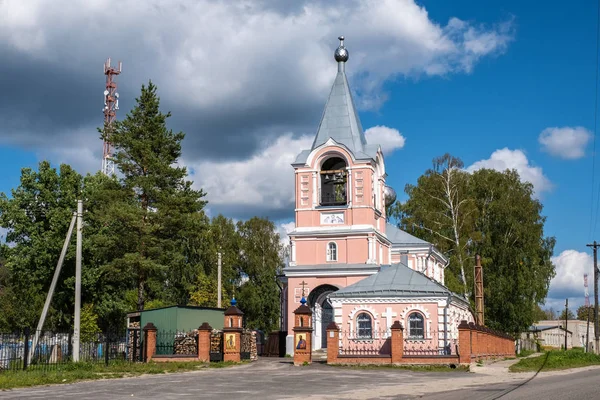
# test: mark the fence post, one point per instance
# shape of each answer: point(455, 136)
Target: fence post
point(26, 349)
point(204, 342)
point(333, 342)
point(302, 334)
point(106, 349)
point(464, 343)
point(232, 333)
point(149, 341)
point(397, 342)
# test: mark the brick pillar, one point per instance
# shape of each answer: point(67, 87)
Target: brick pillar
point(302, 334)
point(464, 343)
point(149, 341)
point(333, 342)
point(475, 342)
point(204, 342)
point(232, 333)
point(397, 342)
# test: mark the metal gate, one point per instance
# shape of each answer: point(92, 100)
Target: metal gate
point(216, 346)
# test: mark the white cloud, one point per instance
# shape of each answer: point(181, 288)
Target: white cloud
point(267, 178)
point(568, 282)
point(283, 229)
point(504, 159)
point(389, 139)
point(566, 142)
point(234, 74)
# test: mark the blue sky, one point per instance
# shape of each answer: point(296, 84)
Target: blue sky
point(247, 92)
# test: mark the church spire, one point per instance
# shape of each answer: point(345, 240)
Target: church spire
point(340, 120)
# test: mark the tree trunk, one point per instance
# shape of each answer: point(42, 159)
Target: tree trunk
point(141, 283)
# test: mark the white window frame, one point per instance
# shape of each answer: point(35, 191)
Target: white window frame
point(335, 251)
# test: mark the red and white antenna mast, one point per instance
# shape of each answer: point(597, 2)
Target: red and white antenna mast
point(111, 105)
point(587, 293)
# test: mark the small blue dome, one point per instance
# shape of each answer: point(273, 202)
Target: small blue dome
point(303, 300)
point(233, 302)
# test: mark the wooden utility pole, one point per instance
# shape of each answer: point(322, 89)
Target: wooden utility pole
point(566, 320)
point(596, 331)
point(479, 291)
point(219, 280)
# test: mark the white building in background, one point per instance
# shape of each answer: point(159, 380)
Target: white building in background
point(549, 336)
point(577, 327)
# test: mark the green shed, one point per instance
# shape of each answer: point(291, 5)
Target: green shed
point(180, 318)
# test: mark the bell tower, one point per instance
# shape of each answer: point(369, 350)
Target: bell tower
point(340, 235)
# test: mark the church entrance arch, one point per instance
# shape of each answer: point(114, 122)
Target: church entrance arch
point(318, 301)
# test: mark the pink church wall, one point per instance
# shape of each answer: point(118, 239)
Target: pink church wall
point(294, 289)
point(352, 250)
point(381, 321)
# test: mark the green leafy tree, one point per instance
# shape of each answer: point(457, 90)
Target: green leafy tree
point(156, 210)
point(582, 313)
point(538, 313)
point(439, 209)
point(489, 213)
point(89, 323)
point(37, 216)
point(260, 263)
point(569, 315)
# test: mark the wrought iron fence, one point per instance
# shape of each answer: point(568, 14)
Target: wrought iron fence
point(177, 342)
point(432, 345)
point(372, 344)
point(52, 349)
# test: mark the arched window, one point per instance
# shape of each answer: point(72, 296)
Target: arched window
point(416, 326)
point(331, 251)
point(365, 326)
point(333, 182)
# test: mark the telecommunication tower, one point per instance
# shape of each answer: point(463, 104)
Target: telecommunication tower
point(111, 105)
point(587, 293)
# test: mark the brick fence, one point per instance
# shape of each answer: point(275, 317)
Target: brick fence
point(475, 342)
point(203, 346)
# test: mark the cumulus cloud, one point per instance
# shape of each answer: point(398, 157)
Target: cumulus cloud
point(568, 282)
point(263, 183)
point(566, 142)
point(235, 75)
point(504, 159)
point(390, 139)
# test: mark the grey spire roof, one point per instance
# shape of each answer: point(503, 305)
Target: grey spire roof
point(397, 280)
point(340, 120)
point(400, 238)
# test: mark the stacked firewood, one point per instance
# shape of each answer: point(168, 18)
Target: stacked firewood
point(134, 329)
point(253, 352)
point(186, 343)
point(215, 342)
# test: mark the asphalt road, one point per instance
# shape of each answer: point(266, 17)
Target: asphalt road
point(277, 379)
point(572, 386)
point(266, 379)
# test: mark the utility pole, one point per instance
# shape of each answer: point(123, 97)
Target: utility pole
point(596, 330)
point(587, 333)
point(219, 280)
point(61, 259)
point(566, 320)
point(77, 283)
point(479, 291)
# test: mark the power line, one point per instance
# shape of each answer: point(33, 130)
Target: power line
point(595, 125)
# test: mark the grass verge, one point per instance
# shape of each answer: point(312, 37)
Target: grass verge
point(525, 353)
point(556, 360)
point(417, 368)
point(69, 373)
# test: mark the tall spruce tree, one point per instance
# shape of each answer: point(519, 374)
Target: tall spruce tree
point(157, 210)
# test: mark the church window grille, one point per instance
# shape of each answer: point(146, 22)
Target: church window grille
point(331, 251)
point(365, 326)
point(416, 326)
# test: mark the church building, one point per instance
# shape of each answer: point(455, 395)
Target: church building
point(353, 267)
